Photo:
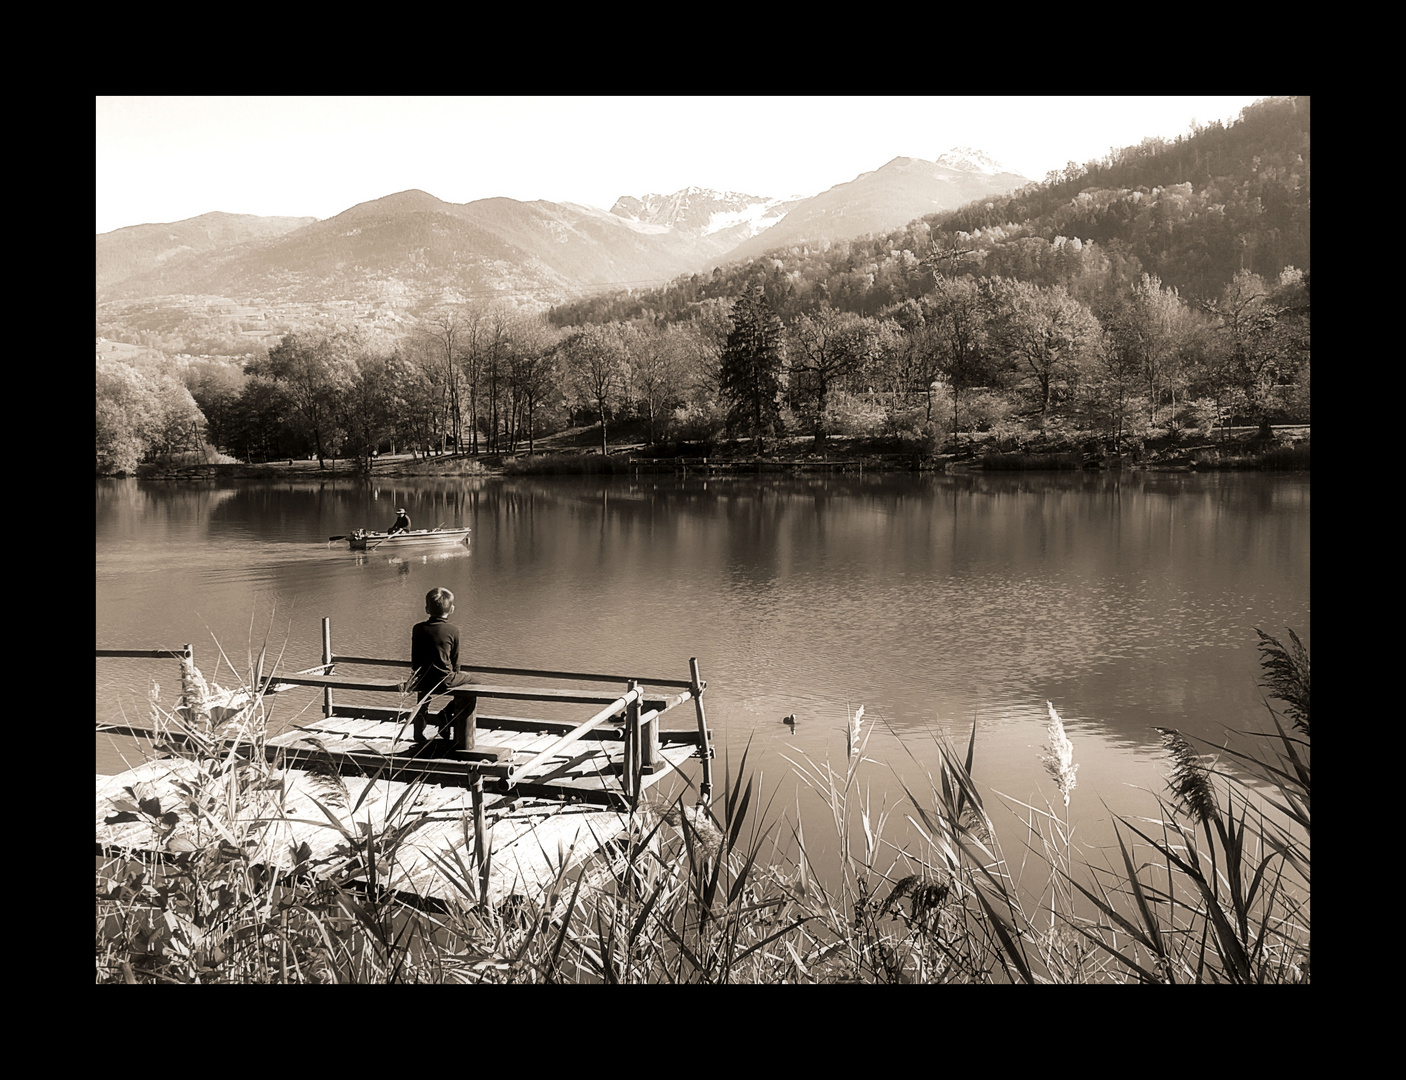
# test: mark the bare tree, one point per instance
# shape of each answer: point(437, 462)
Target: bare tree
point(533, 371)
point(655, 354)
point(448, 329)
point(495, 342)
point(595, 362)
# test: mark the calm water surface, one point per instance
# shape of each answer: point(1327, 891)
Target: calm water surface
point(936, 602)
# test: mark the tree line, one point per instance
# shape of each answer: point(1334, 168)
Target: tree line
point(969, 353)
point(1155, 289)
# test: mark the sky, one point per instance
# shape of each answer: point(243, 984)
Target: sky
point(163, 159)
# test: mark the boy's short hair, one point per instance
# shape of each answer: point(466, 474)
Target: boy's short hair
point(439, 602)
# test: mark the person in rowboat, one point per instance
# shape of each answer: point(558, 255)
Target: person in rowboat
point(401, 524)
point(434, 663)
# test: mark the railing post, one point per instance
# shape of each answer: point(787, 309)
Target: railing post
point(649, 741)
point(632, 743)
point(187, 657)
point(705, 787)
point(480, 835)
point(327, 664)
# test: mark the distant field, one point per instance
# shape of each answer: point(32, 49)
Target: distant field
point(117, 350)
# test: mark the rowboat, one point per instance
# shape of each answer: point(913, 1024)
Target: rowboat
point(361, 540)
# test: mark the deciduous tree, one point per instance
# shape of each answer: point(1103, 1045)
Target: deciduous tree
point(826, 349)
point(126, 415)
point(955, 338)
point(1257, 349)
point(450, 337)
point(142, 414)
point(311, 373)
point(534, 372)
point(1151, 326)
point(1047, 333)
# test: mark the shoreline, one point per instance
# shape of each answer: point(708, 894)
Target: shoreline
point(1240, 449)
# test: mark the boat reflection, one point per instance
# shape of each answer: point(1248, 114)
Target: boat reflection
point(362, 558)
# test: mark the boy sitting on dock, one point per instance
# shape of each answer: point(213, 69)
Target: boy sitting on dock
point(434, 662)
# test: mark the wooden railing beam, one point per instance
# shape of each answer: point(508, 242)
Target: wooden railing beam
point(552, 749)
point(148, 654)
point(540, 673)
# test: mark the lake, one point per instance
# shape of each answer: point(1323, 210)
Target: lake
point(936, 602)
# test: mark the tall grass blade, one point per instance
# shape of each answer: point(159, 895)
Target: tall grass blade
point(1151, 927)
point(1229, 947)
point(555, 955)
point(1011, 953)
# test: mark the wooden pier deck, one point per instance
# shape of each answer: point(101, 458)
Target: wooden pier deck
point(533, 799)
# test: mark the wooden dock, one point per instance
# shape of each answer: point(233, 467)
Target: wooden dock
point(350, 795)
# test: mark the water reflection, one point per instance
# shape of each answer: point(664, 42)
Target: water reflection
point(936, 602)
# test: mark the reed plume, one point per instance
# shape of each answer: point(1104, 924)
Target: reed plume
point(708, 834)
point(1189, 780)
point(1286, 675)
point(852, 733)
point(1059, 761)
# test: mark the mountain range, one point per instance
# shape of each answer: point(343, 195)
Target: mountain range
point(410, 251)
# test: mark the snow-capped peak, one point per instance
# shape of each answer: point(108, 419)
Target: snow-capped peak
point(970, 160)
point(700, 211)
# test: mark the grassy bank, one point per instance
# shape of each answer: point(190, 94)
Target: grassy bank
point(1239, 449)
point(1215, 890)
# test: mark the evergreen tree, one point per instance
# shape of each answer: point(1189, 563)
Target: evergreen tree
point(751, 368)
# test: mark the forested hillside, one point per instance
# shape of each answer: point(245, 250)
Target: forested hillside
point(1192, 211)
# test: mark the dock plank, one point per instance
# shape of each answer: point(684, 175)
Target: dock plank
point(566, 809)
point(339, 727)
point(322, 785)
point(527, 837)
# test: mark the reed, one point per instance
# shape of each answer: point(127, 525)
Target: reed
point(230, 897)
point(1216, 888)
point(1213, 889)
point(939, 908)
point(1056, 846)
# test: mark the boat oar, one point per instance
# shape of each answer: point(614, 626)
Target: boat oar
point(331, 538)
